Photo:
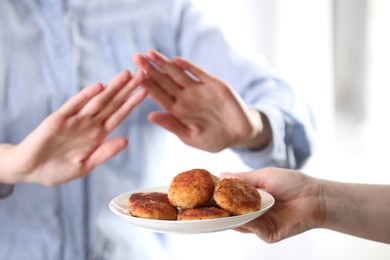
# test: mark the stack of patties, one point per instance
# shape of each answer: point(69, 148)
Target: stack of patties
point(197, 195)
point(192, 192)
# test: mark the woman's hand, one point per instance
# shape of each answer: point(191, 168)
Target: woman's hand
point(297, 207)
point(201, 110)
point(69, 143)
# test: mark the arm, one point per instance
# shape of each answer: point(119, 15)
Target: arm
point(69, 143)
point(250, 78)
point(304, 203)
point(260, 88)
point(361, 210)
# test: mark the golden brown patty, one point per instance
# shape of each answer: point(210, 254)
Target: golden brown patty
point(152, 205)
point(191, 189)
point(202, 213)
point(215, 179)
point(236, 197)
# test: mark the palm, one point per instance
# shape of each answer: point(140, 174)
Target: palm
point(62, 146)
point(203, 112)
point(71, 142)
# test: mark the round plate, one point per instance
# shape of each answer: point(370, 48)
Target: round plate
point(119, 205)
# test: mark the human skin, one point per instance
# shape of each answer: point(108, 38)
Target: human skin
point(304, 203)
point(70, 142)
point(201, 110)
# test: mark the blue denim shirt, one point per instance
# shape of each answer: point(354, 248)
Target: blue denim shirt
point(49, 50)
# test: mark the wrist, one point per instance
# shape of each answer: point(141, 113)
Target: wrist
point(329, 202)
point(8, 164)
point(261, 134)
point(6, 187)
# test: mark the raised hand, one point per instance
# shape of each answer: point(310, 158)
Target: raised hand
point(69, 143)
point(201, 110)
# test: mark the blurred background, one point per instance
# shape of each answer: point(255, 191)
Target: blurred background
point(336, 53)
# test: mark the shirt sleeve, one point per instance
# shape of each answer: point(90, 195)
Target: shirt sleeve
point(6, 190)
point(290, 147)
point(252, 78)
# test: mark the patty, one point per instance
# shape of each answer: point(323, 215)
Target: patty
point(152, 205)
point(202, 213)
point(191, 189)
point(148, 196)
point(236, 197)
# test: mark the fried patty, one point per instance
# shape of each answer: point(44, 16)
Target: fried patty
point(148, 196)
point(191, 189)
point(152, 205)
point(236, 197)
point(202, 213)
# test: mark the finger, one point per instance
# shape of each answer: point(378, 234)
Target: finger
point(255, 178)
point(159, 95)
point(114, 120)
point(192, 68)
point(74, 104)
point(260, 228)
point(242, 230)
point(161, 79)
point(120, 98)
point(169, 122)
point(100, 101)
point(177, 74)
point(105, 151)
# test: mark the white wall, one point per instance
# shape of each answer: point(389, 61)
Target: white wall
point(296, 36)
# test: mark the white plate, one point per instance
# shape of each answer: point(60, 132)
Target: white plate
point(119, 205)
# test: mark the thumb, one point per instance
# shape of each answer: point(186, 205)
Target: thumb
point(168, 122)
point(255, 178)
point(105, 151)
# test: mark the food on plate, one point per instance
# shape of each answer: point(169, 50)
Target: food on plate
point(191, 189)
point(147, 197)
point(236, 197)
point(195, 195)
point(202, 213)
point(152, 205)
